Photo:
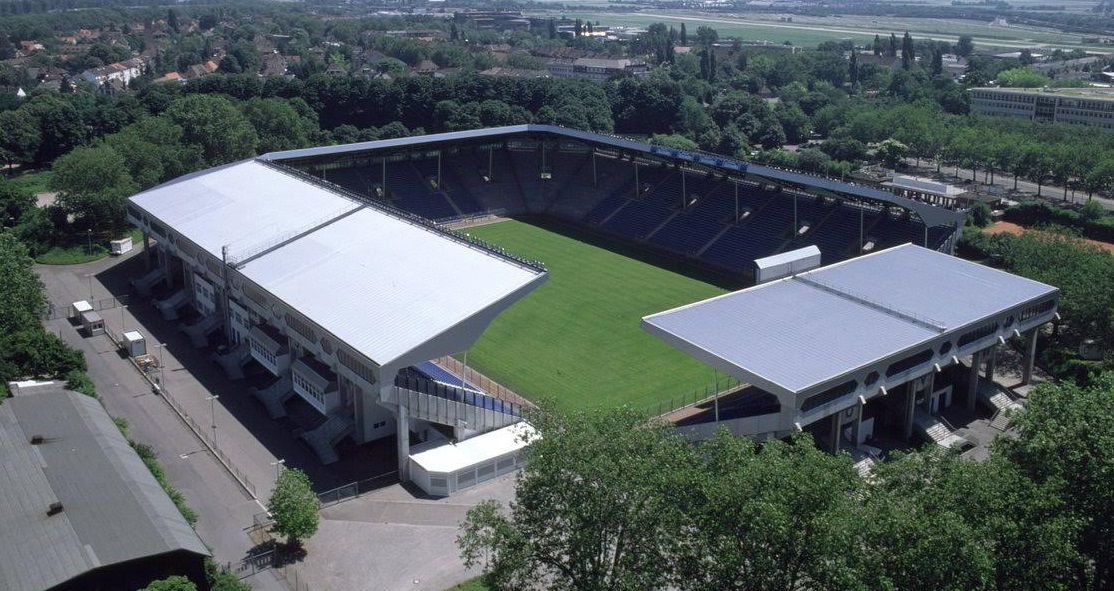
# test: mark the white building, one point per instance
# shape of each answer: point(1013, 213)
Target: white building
point(1083, 106)
point(335, 296)
point(120, 71)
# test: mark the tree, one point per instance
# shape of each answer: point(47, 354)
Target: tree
point(891, 51)
point(877, 46)
point(964, 46)
point(19, 136)
point(60, 126)
point(21, 294)
point(175, 583)
point(215, 125)
point(293, 505)
point(1066, 443)
point(684, 36)
point(596, 507)
point(773, 516)
point(907, 55)
point(92, 184)
point(1022, 78)
point(279, 125)
point(891, 152)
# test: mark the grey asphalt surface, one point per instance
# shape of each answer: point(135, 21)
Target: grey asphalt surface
point(388, 539)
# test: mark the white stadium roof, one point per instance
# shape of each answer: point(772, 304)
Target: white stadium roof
point(239, 205)
point(379, 280)
point(816, 327)
point(385, 285)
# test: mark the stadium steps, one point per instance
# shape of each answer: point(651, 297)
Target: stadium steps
point(621, 207)
point(864, 462)
point(709, 244)
point(233, 361)
point(561, 192)
point(663, 223)
point(439, 191)
point(170, 306)
point(1001, 403)
point(933, 429)
point(274, 397)
point(324, 438)
point(143, 284)
point(199, 331)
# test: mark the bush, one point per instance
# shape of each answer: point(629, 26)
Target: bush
point(150, 459)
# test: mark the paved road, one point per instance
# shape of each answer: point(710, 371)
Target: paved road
point(958, 176)
point(390, 539)
point(224, 509)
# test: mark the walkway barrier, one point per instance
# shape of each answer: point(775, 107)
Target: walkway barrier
point(353, 490)
point(726, 385)
point(207, 436)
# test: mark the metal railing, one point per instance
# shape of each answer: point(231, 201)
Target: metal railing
point(353, 490)
point(686, 399)
point(208, 440)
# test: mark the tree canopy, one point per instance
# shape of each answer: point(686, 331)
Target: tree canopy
point(293, 505)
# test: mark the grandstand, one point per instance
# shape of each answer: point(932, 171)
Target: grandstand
point(332, 267)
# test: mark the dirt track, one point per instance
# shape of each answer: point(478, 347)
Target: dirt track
point(1012, 228)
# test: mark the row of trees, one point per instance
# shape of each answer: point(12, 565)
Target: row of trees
point(609, 501)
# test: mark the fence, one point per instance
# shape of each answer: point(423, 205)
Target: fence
point(491, 388)
point(54, 312)
point(209, 440)
point(353, 490)
point(726, 385)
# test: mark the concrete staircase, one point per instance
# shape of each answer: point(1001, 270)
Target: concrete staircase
point(1000, 402)
point(233, 361)
point(324, 438)
point(200, 330)
point(143, 284)
point(274, 396)
point(936, 431)
point(170, 306)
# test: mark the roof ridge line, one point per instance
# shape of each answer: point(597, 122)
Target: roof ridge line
point(923, 321)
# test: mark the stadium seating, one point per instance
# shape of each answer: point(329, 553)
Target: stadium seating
point(693, 217)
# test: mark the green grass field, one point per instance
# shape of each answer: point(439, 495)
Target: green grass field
point(577, 339)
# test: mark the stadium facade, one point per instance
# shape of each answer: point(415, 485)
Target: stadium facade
point(333, 269)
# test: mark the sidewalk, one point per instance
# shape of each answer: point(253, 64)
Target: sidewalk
point(223, 508)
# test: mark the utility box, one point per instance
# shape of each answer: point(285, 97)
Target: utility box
point(79, 308)
point(786, 264)
point(121, 246)
point(92, 323)
point(134, 343)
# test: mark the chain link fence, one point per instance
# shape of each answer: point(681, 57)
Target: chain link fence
point(353, 490)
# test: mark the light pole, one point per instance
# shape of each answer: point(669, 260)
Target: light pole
point(160, 346)
point(278, 468)
point(213, 413)
point(89, 276)
point(123, 325)
point(89, 242)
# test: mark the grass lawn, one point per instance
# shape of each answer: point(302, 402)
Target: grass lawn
point(577, 339)
point(35, 182)
point(73, 255)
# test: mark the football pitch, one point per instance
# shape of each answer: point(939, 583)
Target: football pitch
point(577, 339)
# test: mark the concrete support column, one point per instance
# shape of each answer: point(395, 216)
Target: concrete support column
point(147, 252)
point(403, 444)
point(834, 423)
point(909, 407)
point(1030, 356)
point(929, 386)
point(991, 361)
point(973, 380)
point(857, 424)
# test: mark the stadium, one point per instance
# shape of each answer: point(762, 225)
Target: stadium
point(393, 287)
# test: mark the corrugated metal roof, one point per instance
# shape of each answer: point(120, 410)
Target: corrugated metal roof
point(787, 257)
point(240, 205)
point(386, 285)
point(113, 509)
point(798, 332)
